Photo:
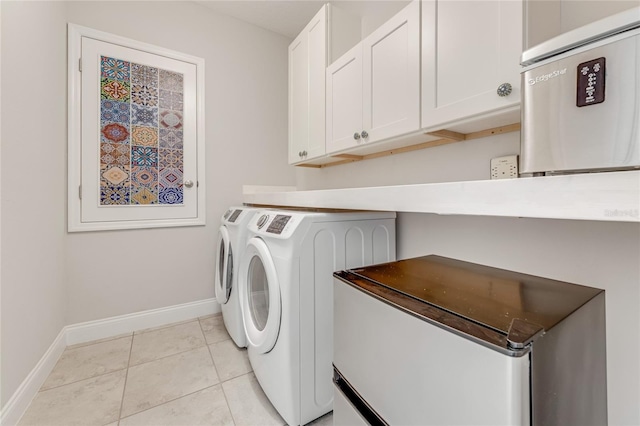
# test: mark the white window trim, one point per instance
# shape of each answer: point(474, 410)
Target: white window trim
point(75, 223)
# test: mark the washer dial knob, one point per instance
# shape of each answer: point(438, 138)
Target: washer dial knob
point(262, 220)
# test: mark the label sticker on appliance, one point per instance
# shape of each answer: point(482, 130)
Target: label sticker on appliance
point(591, 78)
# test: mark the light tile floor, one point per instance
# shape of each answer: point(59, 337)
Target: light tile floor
point(188, 373)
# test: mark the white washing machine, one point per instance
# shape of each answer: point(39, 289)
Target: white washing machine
point(286, 289)
point(232, 239)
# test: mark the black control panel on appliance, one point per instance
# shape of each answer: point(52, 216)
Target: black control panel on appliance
point(278, 224)
point(591, 82)
point(235, 215)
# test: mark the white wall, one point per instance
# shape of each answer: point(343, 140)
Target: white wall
point(114, 273)
point(51, 278)
point(468, 160)
point(578, 13)
point(548, 18)
point(33, 185)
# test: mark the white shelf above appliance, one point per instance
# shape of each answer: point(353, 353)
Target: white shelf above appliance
point(610, 196)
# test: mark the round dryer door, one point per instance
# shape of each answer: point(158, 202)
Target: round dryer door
point(260, 296)
point(224, 267)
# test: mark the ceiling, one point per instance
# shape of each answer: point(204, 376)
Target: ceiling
point(289, 17)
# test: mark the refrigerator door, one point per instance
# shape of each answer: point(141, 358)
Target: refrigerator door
point(413, 372)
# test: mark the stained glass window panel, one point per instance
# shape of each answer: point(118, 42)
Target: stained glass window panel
point(141, 137)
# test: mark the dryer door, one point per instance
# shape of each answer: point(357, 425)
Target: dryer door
point(260, 296)
point(224, 267)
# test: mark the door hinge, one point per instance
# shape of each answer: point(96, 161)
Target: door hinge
point(80, 192)
point(80, 64)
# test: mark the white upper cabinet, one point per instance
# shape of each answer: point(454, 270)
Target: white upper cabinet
point(308, 55)
point(470, 52)
point(344, 101)
point(373, 91)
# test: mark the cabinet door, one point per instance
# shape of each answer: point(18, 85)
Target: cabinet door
point(307, 64)
point(391, 76)
point(469, 48)
point(344, 101)
point(298, 97)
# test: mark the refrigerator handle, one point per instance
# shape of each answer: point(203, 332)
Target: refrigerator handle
point(365, 410)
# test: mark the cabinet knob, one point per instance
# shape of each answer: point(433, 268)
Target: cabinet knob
point(504, 89)
point(364, 134)
point(304, 153)
point(299, 153)
point(356, 135)
point(188, 184)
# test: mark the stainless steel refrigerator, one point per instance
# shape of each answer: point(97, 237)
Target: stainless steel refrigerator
point(438, 341)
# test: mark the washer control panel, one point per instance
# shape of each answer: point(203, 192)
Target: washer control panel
point(234, 215)
point(278, 223)
point(274, 224)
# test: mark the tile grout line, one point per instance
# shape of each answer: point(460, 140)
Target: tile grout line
point(81, 380)
point(226, 400)
point(171, 400)
point(124, 388)
point(167, 356)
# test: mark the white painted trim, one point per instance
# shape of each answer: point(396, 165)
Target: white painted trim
point(108, 327)
point(75, 221)
point(93, 330)
point(22, 397)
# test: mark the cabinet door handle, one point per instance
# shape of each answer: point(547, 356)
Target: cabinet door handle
point(300, 154)
point(356, 135)
point(504, 89)
point(364, 134)
point(304, 153)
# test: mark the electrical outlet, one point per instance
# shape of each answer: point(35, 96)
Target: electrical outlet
point(504, 167)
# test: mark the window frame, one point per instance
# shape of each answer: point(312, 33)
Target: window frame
point(79, 221)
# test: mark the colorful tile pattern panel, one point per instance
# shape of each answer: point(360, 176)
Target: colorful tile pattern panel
point(114, 132)
point(171, 196)
point(145, 136)
point(114, 69)
point(115, 174)
point(115, 153)
point(144, 95)
point(144, 176)
point(170, 119)
point(144, 156)
point(171, 100)
point(170, 158)
point(141, 136)
point(114, 111)
point(171, 138)
point(171, 178)
point(143, 75)
point(112, 195)
point(115, 90)
point(144, 195)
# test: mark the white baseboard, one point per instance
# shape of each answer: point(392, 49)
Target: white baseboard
point(22, 397)
point(108, 327)
point(93, 330)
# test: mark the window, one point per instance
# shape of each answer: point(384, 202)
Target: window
point(136, 134)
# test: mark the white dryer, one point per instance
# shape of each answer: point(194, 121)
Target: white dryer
point(286, 289)
point(232, 239)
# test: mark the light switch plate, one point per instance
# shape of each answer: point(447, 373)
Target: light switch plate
point(504, 167)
